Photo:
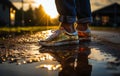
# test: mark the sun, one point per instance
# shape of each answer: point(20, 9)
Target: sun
point(49, 7)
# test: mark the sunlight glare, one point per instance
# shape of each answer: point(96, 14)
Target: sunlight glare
point(49, 7)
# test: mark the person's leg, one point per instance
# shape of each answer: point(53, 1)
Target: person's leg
point(83, 10)
point(66, 34)
point(67, 12)
point(84, 17)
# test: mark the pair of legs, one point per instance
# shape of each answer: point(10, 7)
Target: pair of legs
point(71, 11)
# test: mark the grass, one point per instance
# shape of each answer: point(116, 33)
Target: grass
point(29, 28)
point(6, 32)
point(111, 29)
point(41, 28)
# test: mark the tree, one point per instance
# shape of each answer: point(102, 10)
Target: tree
point(41, 17)
point(29, 16)
point(18, 17)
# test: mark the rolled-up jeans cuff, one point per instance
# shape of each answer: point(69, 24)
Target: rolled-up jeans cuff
point(67, 19)
point(85, 20)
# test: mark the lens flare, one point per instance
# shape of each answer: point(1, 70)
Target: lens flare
point(49, 7)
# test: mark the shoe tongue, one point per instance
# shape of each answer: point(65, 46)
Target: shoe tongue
point(74, 33)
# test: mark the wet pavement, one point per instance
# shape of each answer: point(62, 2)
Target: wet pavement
point(23, 56)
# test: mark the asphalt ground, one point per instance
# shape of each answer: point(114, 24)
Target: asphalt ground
point(23, 56)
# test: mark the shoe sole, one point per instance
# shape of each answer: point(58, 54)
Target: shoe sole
point(60, 43)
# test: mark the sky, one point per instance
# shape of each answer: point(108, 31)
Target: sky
point(96, 4)
point(50, 4)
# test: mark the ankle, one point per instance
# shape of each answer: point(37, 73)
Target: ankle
point(68, 27)
point(82, 26)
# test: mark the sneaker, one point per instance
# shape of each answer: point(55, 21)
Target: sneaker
point(84, 32)
point(84, 35)
point(60, 37)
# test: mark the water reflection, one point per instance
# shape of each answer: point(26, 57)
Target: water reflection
point(69, 60)
point(73, 60)
point(23, 54)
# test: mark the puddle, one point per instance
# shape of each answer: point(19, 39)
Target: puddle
point(27, 57)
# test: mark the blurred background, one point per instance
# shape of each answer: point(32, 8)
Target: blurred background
point(43, 12)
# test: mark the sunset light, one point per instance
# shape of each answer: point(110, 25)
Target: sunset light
point(49, 7)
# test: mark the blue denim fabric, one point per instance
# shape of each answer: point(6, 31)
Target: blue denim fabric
point(72, 10)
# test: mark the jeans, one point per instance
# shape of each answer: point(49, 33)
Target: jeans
point(71, 11)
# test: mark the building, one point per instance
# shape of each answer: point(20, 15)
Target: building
point(7, 13)
point(109, 15)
